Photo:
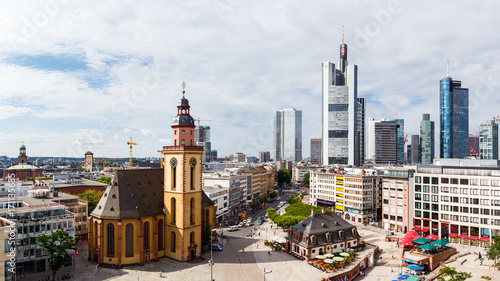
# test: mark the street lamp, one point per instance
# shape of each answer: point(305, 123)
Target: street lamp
point(266, 272)
point(211, 261)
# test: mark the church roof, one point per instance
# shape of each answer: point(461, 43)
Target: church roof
point(23, 166)
point(22, 146)
point(322, 223)
point(132, 194)
point(89, 153)
point(205, 200)
point(183, 120)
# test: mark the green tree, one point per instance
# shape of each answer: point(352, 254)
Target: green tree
point(283, 176)
point(255, 204)
point(92, 197)
point(306, 178)
point(453, 274)
point(56, 246)
point(273, 195)
point(494, 251)
point(206, 234)
point(30, 179)
point(104, 179)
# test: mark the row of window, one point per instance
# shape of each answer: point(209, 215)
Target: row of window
point(435, 180)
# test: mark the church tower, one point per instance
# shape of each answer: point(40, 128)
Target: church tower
point(182, 188)
point(22, 158)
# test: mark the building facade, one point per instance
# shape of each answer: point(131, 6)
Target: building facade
point(315, 152)
point(426, 139)
point(386, 142)
point(360, 133)
point(397, 194)
point(414, 154)
point(288, 135)
point(264, 156)
point(339, 111)
point(458, 203)
point(488, 140)
point(454, 119)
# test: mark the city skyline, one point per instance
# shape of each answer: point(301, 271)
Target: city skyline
point(76, 80)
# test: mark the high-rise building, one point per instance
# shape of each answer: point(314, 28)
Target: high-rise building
point(316, 151)
point(202, 138)
point(454, 119)
point(264, 156)
point(426, 139)
point(488, 140)
point(386, 140)
point(414, 157)
point(339, 113)
point(288, 135)
point(360, 133)
point(400, 147)
point(408, 151)
point(370, 151)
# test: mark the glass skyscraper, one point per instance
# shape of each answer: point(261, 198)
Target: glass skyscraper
point(288, 135)
point(316, 151)
point(488, 140)
point(454, 119)
point(426, 139)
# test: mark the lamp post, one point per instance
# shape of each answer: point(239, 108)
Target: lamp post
point(266, 272)
point(211, 261)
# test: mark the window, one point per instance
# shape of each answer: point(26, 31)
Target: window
point(474, 191)
point(95, 233)
point(485, 182)
point(445, 189)
point(129, 240)
point(418, 188)
point(417, 179)
point(172, 214)
point(341, 234)
point(445, 207)
point(418, 213)
point(464, 181)
point(418, 196)
point(418, 205)
point(435, 189)
point(172, 241)
point(146, 235)
point(183, 132)
point(473, 182)
point(426, 188)
point(434, 198)
point(435, 207)
point(454, 181)
point(435, 181)
point(160, 235)
point(191, 213)
point(445, 180)
point(426, 180)
point(426, 206)
point(426, 197)
point(183, 142)
point(485, 192)
point(485, 211)
point(445, 198)
point(111, 240)
point(191, 238)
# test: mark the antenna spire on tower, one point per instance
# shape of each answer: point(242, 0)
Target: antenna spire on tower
point(447, 68)
point(342, 34)
point(183, 87)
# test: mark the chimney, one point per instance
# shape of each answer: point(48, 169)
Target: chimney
point(323, 210)
point(312, 211)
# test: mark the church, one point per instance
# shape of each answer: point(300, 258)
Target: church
point(145, 214)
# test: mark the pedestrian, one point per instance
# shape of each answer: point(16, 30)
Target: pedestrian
point(96, 266)
point(257, 246)
point(392, 270)
point(160, 273)
point(268, 253)
point(243, 250)
point(259, 233)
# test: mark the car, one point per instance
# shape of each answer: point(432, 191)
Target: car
point(248, 223)
point(259, 222)
point(241, 224)
point(265, 216)
point(232, 228)
point(217, 247)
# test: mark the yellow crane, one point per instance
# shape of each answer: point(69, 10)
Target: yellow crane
point(103, 160)
point(130, 143)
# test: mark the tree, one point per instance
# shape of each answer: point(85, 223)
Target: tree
point(283, 176)
point(104, 180)
point(92, 197)
point(30, 179)
point(494, 251)
point(206, 234)
point(306, 178)
point(273, 195)
point(56, 246)
point(453, 274)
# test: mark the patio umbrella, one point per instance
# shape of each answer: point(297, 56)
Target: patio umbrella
point(432, 236)
point(406, 243)
point(401, 278)
point(411, 233)
point(328, 255)
point(344, 254)
point(320, 257)
point(337, 251)
point(420, 240)
point(415, 267)
point(406, 276)
point(428, 247)
point(338, 259)
point(328, 261)
point(439, 243)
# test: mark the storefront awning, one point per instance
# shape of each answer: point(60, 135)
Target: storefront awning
point(416, 228)
point(453, 234)
point(472, 237)
point(484, 239)
point(463, 236)
point(425, 229)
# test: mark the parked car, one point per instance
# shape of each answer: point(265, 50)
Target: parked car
point(232, 228)
point(241, 224)
point(259, 222)
point(217, 247)
point(248, 223)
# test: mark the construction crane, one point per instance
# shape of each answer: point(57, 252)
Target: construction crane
point(405, 138)
point(161, 159)
point(473, 148)
point(130, 143)
point(103, 160)
point(204, 121)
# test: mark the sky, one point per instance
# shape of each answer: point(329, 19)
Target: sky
point(79, 76)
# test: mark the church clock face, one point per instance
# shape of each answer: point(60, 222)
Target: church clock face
point(173, 162)
point(192, 162)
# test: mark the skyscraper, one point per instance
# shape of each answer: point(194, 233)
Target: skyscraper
point(316, 151)
point(386, 139)
point(288, 135)
point(414, 155)
point(202, 138)
point(370, 150)
point(401, 141)
point(488, 140)
point(339, 110)
point(426, 139)
point(454, 119)
point(360, 132)
point(264, 156)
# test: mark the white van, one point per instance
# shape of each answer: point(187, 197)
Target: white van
point(232, 228)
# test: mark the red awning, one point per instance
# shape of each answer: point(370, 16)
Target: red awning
point(472, 237)
point(425, 229)
point(463, 236)
point(453, 234)
point(484, 239)
point(416, 228)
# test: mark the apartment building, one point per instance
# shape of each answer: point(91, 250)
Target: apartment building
point(397, 194)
